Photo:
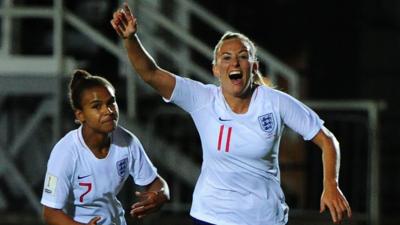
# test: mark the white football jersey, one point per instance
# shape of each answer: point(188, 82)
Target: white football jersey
point(240, 181)
point(85, 186)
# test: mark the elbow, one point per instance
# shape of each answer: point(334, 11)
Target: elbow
point(332, 139)
point(326, 140)
point(148, 75)
point(330, 136)
point(336, 142)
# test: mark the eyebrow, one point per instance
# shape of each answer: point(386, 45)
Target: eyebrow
point(94, 102)
point(112, 99)
point(241, 51)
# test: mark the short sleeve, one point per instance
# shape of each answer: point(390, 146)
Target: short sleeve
point(299, 117)
point(57, 183)
point(142, 170)
point(190, 95)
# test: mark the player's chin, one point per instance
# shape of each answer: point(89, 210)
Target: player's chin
point(109, 127)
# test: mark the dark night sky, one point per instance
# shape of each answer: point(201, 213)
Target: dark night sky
point(323, 35)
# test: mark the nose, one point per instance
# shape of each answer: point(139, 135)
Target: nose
point(235, 61)
point(108, 110)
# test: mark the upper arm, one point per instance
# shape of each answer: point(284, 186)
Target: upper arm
point(57, 183)
point(319, 139)
point(324, 139)
point(163, 82)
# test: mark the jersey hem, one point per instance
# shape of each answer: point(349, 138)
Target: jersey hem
point(207, 219)
point(212, 220)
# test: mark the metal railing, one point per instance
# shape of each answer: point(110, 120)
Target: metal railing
point(276, 67)
point(372, 108)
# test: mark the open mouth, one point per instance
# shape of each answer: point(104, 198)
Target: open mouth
point(235, 75)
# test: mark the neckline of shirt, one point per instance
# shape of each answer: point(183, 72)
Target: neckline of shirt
point(239, 115)
point(87, 149)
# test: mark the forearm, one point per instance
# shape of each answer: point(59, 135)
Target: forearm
point(332, 197)
point(57, 217)
point(329, 146)
point(140, 59)
point(331, 161)
point(124, 23)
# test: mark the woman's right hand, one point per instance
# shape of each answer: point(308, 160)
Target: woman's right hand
point(124, 23)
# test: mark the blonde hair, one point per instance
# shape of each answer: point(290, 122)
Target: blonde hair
point(258, 78)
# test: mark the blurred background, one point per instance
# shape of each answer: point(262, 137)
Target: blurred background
point(340, 57)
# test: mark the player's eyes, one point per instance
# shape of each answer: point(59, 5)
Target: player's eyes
point(226, 57)
point(244, 56)
point(96, 106)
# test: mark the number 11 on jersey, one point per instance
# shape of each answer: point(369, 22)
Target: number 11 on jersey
point(221, 136)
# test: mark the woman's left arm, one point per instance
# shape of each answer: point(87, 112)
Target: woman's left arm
point(150, 200)
point(332, 197)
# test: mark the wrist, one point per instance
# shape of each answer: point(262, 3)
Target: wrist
point(161, 194)
point(131, 37)
point(330, 182)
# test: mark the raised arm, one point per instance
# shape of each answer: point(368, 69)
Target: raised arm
point(332, 197)
point(125, 24)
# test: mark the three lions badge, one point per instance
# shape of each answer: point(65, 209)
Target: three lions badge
point(122, 166)
point(267, 123)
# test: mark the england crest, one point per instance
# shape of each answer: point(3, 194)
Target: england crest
point(122, 166)
point(267, 122)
